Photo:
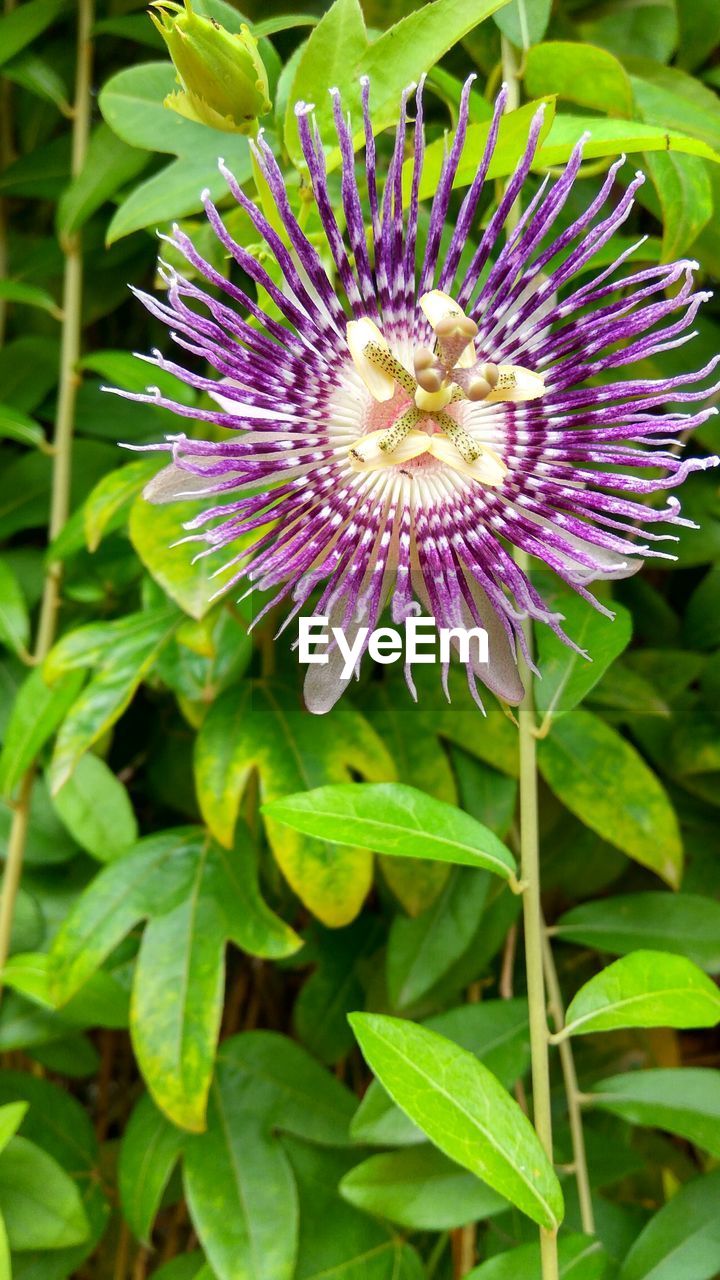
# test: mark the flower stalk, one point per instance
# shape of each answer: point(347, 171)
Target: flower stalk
point(62, 456)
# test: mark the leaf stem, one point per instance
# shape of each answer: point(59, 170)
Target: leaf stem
point(62, 457)
point(573, 1095)
point(533, 932)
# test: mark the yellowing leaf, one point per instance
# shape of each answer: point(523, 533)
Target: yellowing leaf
point(261, 727)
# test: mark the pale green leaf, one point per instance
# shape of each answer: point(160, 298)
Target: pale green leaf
point(464, 1111)
point(421, 1189)
point(14, 617)
point(644, 989)
point(582, 73)
point(395, 819)
point(40, 1204)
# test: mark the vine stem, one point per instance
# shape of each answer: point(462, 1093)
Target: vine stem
point(529, 835)
point(534, 932)
point(567, 1062)
point(62, 455)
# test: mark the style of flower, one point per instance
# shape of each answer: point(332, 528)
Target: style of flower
point(430, 406)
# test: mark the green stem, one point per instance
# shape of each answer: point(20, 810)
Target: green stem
point(567, 1062)
point(62, 456)
point(533, 933)
point(529, 834)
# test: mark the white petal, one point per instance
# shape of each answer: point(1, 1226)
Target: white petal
point(359, 333)
point(173, 483)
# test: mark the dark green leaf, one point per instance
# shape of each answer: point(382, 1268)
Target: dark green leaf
point(684, 923)
point(683, 1100)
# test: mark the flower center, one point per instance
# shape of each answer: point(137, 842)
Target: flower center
point(444, 375)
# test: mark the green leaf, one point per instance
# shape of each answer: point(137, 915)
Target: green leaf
point(62, 1127)
point(177, 1002)
point(109, 164)
point(567, 676)
point(37, 711)
point(582, 73)
point(29, 295)
point(422, 762)
point(672, 99)
point(263, 1083)
point(16, 425)
point(684, 190)
point(101, 1002)
point(580, 1258)
point(173, 193)
point(395, 819)
point(123, 652)
point(603, 780)
point(338, 41)
point(131, 102)
point(699, 32)
point(464, 1111)
point(624, 693)
point(511, 144)
point(21, 26)
point(652, 27)
point(682, 1100)
point(421, 951)
point(11, 1117)
point(524, 22)
point(40, 1204)
point(38, 76)
point(156, 874)
point(614, 138)
point(333, 989)
point(357, 1245)
point(197, 897)
point(154, 533)
point(395, 59)
point(496, 1031)
point(96, 809)
point(684, 923)
point(421, 1189)
point(644, 989)
point(112, 496)
point(14, 617)
point(261, 727)
point(149, 1151)
point(681, 1242)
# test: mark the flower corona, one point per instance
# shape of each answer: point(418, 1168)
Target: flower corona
point(434, 401)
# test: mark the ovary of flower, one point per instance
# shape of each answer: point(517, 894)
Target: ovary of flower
point(443, 376)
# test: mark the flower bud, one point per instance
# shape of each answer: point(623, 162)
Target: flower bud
point(222, 76)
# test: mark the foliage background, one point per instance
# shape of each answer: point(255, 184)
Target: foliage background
point(158, 910)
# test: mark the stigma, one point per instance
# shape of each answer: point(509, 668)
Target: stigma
point(443, 375)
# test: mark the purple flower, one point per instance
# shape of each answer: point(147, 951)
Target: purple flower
point(408, 423)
